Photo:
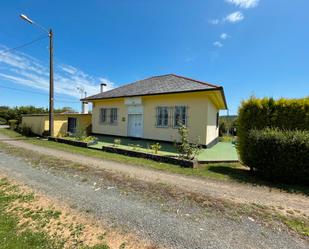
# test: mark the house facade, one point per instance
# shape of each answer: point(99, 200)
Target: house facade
point(156, 107)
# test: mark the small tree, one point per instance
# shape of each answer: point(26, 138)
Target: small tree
point(155, 147)
point(186, 149)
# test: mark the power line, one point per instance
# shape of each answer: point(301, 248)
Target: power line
point(23, 45)
point(43, 94)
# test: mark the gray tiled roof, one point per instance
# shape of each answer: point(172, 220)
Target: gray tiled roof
point(169, 83)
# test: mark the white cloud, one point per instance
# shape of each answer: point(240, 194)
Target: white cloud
point(218, 44)
point(23, 69)
point(224, 36)
point(234, 17)
point(245, 4)
point(214, 21)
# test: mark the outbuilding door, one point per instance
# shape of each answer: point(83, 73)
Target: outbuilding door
point(72, 125)
point(135, 125)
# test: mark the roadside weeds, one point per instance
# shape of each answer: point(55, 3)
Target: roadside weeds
point(38, 221)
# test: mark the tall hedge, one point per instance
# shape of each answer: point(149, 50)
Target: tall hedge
point(279, 155)
point(257, 114)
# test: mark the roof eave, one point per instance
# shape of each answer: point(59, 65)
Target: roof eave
point(90, 99)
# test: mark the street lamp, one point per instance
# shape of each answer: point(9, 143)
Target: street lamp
point(51, 72)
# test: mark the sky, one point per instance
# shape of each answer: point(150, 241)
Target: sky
point(250, 47)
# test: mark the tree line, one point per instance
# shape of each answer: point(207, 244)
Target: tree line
point(15, 113)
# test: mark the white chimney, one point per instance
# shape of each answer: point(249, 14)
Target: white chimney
point(102, 87)
point(85, 106)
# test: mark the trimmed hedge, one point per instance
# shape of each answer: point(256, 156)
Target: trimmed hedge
point(279, 155)
point(285, 114)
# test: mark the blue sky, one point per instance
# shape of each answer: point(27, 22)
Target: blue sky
point(250, 47)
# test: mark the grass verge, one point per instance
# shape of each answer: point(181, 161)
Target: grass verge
point(23, 224)
point(220, 171)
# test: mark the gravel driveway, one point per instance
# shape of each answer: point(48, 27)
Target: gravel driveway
point(242, 193)
point(147, 218)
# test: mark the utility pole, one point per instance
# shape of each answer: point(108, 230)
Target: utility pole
point(51, 84)
point(51, 72)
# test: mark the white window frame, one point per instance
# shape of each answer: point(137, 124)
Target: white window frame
point(109, 116)
point(162, 116)
point(182, 110)
point(103, 115)
point(113, 116)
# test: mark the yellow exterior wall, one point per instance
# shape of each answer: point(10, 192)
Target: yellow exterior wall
point(118, 130)
point(36, 123)
point(212, 129)
point(201, 115)
point(197, 107)
point(39, 123)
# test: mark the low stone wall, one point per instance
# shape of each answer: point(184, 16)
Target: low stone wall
point(158, 158)
point(68, 141)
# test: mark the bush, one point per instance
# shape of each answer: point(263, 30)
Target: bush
point(186, 150)
point(24, 130)
point(117, 141)
point(285, 114)
point(155, 147)
point(2, 121)
point(279, 155)
point(13, 124)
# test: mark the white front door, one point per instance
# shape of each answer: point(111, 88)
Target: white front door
point(135, 125)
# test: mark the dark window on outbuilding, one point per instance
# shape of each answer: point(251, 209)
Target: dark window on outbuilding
point(72, 122)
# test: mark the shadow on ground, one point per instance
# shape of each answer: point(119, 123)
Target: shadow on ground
point(246, 176)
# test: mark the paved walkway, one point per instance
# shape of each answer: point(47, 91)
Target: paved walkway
point(222, 151)
point(237, 192)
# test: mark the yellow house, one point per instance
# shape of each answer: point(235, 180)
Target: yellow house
point(154, 108)
point(63, 123)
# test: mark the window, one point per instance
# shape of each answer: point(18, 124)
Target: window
point(162, 116)
point(72, 125)
point(180, 116)
point(103, 115)
point(113, 115)
point(108, 115)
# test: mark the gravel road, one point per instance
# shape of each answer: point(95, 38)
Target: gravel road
point(147, 218)
point(242, 193)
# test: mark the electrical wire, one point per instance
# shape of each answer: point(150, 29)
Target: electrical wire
point(23, 45)
point(43, 94)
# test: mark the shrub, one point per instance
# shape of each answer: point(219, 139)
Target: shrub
point(13, 124)
point(135, 147)
point(285, 114)
point(88, 139)
point(117, 142)
point(186, 150)
point(2, 121)
point(155, 147)
point(24, 130)
point(279, 155)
